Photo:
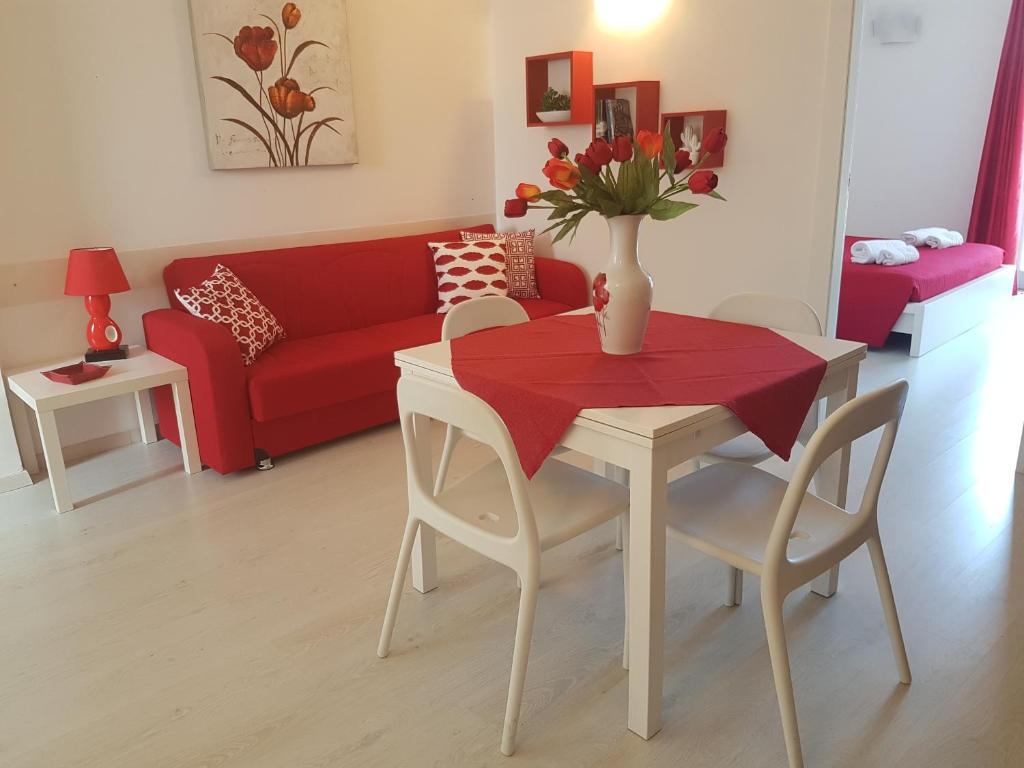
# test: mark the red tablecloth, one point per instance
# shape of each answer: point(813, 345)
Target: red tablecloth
point(538, 376)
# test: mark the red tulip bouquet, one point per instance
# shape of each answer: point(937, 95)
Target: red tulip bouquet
point(650, 173)
point(283, 106)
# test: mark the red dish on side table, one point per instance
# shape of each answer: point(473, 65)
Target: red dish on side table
point(78, 373)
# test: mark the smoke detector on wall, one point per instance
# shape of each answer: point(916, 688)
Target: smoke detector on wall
point(896, 24)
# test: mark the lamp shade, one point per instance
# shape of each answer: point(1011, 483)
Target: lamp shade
point(94, 272)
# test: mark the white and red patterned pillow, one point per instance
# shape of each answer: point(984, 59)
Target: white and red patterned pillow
point(223, 298)
point(468, 271)
point(522, 266)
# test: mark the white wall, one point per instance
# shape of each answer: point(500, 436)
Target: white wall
point(779, 69)
point(922, 111)
point(104, 145)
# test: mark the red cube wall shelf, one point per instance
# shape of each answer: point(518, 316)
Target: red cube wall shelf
point(644, 97)
point(701, 122)
point(572, 70)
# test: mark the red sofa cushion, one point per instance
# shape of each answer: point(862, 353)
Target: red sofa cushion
point(301, 375)
point(322, 289)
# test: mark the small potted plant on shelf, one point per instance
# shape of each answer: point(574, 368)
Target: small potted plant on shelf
point(554, 107)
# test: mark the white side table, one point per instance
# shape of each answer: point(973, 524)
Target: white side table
point(142, 371)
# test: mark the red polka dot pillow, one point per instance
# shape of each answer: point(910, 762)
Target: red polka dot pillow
point(522, 264)
point(224, 299)
point(468, 271)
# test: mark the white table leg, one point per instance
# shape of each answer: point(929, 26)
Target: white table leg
point(186, 427)
point(20, 413)
point(833, 479)
point(620, 476)
point(424, 550)
point(144, 410)
point(648, 489)
point(54, 461)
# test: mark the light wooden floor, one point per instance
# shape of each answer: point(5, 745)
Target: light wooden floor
point(232, 621)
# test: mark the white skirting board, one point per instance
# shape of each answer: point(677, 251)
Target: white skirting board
point(933, 322)
point(13, 482)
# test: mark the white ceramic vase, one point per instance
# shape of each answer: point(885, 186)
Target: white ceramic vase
point(623, 291)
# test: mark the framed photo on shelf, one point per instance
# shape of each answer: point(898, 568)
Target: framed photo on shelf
point(613, 119)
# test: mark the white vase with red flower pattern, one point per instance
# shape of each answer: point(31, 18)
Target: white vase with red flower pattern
point(623, 291)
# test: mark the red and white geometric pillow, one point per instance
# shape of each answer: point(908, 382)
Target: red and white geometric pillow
point(468, 271)
point(522, 266)
point(223, 298)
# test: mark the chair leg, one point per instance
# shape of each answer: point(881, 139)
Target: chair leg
point(451, 437)
point(734, 596)
point(624, 524)
point(775, 631)
point(899, 650)
point(520, 657)
point(384, 646)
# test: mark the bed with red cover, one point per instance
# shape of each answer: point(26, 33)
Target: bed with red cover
point(873, 297)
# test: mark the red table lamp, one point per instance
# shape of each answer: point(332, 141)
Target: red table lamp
point(95, 273)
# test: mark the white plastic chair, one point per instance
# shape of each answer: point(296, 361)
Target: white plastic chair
point(768, 311)
point(462, 320)
point(560, 502)
point(754, 521)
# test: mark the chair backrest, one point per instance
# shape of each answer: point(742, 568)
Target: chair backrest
point(857, 418)
point(419, 396)
point(783, 313)
point(480, 314)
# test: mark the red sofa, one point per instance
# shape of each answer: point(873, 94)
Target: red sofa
point(346, 308)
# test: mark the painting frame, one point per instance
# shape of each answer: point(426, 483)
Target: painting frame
point(275, 82)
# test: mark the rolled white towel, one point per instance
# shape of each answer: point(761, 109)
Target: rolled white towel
point(918, 236)
point(947, 238)
point(888, 252)
point(897, 258)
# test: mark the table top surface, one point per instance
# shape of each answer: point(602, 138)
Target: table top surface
point(141, 370)
point(654, 421)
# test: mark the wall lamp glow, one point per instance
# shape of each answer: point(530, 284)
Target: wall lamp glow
point(629, 15)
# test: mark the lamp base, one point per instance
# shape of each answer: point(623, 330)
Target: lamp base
point(99, 355)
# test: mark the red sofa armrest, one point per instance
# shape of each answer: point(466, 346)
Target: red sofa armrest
point(216, 377)
point(562, 281)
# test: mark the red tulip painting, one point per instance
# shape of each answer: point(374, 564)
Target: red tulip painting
point(276, 82)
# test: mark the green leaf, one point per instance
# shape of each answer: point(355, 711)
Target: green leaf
point(668, 154)
point(714, 193)
point(609, 206)
point(664, 210)
point(556, 197)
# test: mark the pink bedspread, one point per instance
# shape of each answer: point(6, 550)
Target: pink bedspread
point(873, 297)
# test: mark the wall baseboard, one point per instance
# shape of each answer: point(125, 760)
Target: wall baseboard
point(20, 479)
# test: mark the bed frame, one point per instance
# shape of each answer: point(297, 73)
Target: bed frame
point(933, 322)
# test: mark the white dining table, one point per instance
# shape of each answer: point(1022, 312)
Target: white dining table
point(646, 443)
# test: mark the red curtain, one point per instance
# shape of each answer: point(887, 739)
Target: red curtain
point(995, 218)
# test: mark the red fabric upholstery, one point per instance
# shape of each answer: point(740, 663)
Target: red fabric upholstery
point(347, 308)
point(217, 383)
point(321, 289)
point(563, 282)
point(307, 374)
point(872, 297)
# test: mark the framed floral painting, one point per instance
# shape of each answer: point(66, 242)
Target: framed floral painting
point(276, 82)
